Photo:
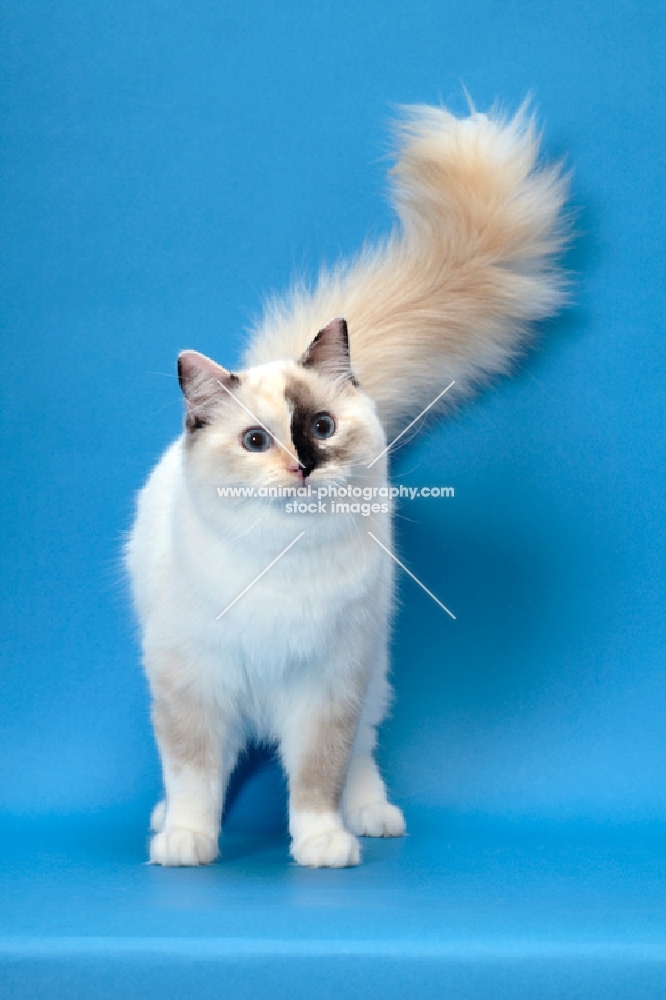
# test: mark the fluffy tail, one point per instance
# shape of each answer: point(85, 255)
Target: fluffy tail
point(452, 293)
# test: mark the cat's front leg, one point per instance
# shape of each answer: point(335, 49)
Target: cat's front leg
point(197, 759)
point(315, 747)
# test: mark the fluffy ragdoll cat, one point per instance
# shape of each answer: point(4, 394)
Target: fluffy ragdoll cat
point(300, 659)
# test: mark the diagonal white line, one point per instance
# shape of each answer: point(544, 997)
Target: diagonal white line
point(259, 577)
point(409, 573)
point(435, 400)
point(258, 421)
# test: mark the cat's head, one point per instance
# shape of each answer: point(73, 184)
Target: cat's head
point(286, 423)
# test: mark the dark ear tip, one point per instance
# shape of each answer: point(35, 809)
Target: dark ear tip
point(338, 322)
point(186, 363)
point(336, 327)
point(329, 351)
point(343, 329)
point(182, 366)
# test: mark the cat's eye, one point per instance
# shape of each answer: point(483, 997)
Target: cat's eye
point(322, 426)
point(256, 439)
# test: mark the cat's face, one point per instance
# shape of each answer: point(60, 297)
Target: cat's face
point(288, 423)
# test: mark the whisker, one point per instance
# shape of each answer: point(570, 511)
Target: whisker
point(164, 406)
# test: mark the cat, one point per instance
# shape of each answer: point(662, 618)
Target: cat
point(258, 624)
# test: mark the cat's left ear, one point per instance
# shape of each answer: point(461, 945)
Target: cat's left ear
point(205, 386)
point(328, 354)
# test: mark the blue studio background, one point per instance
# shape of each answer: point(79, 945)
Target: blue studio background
point(165, 166)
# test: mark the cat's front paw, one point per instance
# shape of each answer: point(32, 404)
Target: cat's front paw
point(377, 819)
point(330, 849)
point(179, 846)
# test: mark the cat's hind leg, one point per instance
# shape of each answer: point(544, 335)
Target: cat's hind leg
point(365, 806)
point(158, 817)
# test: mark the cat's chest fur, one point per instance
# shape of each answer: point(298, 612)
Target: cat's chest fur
point(229, 609)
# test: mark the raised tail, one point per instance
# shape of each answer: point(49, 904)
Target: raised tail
point(451, 294)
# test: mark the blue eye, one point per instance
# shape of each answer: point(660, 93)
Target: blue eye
point(256, 439)
point(322, 425)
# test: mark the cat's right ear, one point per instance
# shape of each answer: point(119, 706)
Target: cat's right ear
point(205, 385)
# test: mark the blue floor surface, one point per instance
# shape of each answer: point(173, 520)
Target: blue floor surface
point(459, 909)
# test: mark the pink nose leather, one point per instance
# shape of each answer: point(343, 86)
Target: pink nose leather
point(295, 468)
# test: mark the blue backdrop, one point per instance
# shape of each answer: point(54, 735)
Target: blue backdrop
point(165, 166)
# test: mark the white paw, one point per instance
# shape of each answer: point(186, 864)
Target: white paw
point(158, 816)
point(377, 819)
point(178, 846)
point(331, 849)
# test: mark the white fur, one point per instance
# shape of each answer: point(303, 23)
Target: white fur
point(280, 652)
point(446, 297)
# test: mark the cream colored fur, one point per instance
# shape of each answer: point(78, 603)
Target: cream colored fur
point(452, 292)
point(300, 660)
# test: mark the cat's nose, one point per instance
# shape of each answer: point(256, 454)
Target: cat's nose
point(297, 470)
